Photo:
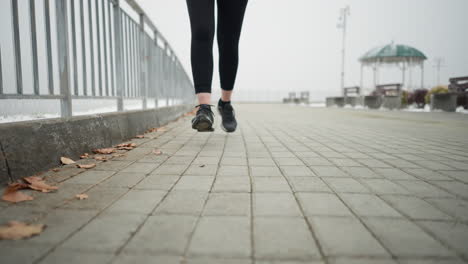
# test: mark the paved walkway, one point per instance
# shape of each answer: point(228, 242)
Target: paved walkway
point(293, 185)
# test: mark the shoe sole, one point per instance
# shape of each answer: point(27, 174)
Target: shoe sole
point(203, 125)
point(222, 126)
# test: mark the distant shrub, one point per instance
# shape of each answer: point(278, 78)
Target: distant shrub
point(418, 97)
point(436, 90)
point(405, 98)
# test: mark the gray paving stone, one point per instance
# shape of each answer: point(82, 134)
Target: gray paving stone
point(458, 175)
point(180, 160)
point(234, 161)
point(384, 186)
point(141, 167)
point(201, 160)
point(361, 172)
point(288, 262)
point(270, 184)
point(162, 234)
point(211, 233)
point(394, 174)
point(183, 202)
point(98, 198)
point(297, 171)
point(415, 208)
point(262, 171)
point(225, 204)
point(453, 187)
point(373, 163)
point(275, 204)
point(201, 170)
point(290, 161)
point(283, 238)
point(454, 207)
point(199, 183)
point(424, 189)
point(157, 182)
point(232, 184)
point(147, 259)
point(368, 205)
point(348, 260)
point(452, 233)
point(345, 162)
point(328, 171)
point(322, 204)
point(137, 201)
point(22, 254)
point(124, 179)
point(259, 154)
point(228, 170)
point(170, 169)
point(428, 175)
point(75, 257)
point(404, 239)
point(345, 236)
point(153, 158)
point(214, 260)
point(261, 161)
point(308, 184)
point(400, 163)
point(317, 161)
point(106, 233)
point(113, 165)
point(432, 261)
point(91, 177)
point(346, 185)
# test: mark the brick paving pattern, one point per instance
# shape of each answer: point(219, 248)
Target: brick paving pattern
point(292, 185)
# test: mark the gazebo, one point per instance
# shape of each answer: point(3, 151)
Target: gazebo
point(402, 56)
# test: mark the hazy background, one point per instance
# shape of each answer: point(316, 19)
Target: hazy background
point(295, 45)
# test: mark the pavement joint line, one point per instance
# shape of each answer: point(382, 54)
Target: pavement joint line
point(345, 204)
point(303, 216)
point(249, 172)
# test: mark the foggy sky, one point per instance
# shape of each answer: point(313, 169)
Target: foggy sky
point(295, 45)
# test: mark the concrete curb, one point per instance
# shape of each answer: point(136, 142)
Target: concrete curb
point(30, 147)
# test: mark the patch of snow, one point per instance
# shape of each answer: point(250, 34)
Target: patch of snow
point(19, 118)
point(317, 105)
point(461, 110)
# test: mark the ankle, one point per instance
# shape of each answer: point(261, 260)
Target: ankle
point(223, 103)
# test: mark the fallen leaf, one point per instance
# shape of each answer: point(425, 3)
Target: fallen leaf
point(13, 195)
point(157, 152)
point(38, 184)
point(86, 166)
point(128, 145)
point(140, 136)
point(101, 158)
point(125, 148)
point(16, 230)
point(202, 166)
point(84, 156)
point(66, 161)
point(118, 155)
point(55, 170)
point(104, 151)
point(82, 196)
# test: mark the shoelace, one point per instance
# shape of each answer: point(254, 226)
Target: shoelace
point(204, 108)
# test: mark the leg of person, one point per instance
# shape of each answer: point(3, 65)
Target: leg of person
point(201, 13)
point(230, 20)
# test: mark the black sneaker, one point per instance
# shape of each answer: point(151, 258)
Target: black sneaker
point(229, 123)
point(203, 121)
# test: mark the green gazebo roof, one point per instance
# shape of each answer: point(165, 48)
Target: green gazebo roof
point(393, 53)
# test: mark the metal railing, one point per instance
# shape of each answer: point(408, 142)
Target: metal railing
point(111, 56)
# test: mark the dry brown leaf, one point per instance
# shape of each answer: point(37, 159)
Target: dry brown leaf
point(104, 151)
point(118, 155)
point(101, 158)
point(82, 196)
point(16, 230)
point(125, 148)
point(140, 136)
point(66, 161)
point(84, 156)
point(86, 166)
point(127, 145)
point(38, 184)
point(13, 195)
point(157, 152)
point(55, 170)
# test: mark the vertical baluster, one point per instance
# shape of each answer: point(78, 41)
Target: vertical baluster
point(17, 43)
point(50, 70)
point(73, 40)
point(142, 60)
point(104, 34)
point(1, 72)
point(83, 49)
point(91, 48)
point(63, 59)
point(32, 13)
point(118, 54)
point(165, 73)
point(133, 57)
point(127, 49)
point(98, 39)
point(111, 51)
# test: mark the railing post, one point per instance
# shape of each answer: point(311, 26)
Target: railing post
point(165, 71)
point(156, 70)
point(144, 63)
point(118, 54)
point(63, 59)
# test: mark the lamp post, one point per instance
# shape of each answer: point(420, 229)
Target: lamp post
point(342, 22)
point(438, 63)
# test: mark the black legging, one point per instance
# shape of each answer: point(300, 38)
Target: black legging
point(202, 20)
